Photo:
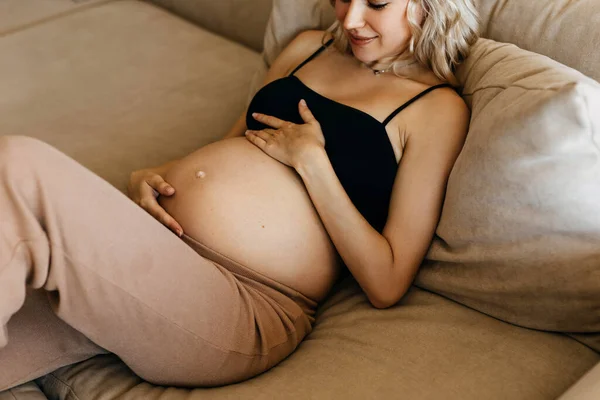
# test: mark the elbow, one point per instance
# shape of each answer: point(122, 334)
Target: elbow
point(379, 304)
point(389, 293)
point(386, 299)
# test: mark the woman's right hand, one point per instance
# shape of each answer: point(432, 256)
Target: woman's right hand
point(144, 188)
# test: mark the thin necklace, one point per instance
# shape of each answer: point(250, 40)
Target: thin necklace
point(391, 67)
point(381, 71)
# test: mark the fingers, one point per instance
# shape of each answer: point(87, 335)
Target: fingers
point(149, 203)
point(269, 120)
point(158, 183)
point(260, 138)
point(305, 113)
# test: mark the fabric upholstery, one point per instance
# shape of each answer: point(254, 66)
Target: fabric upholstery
point(121, 94)
point(240, 20)
point(426, 347)
point(565, 30)
point(289, 18)
point(16, 15)
point(519, 232)
point(28, 391)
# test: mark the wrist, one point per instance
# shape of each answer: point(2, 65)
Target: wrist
point(310, 161)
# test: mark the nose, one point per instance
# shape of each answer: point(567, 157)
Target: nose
point(354, 17)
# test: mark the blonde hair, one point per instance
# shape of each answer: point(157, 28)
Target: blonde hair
point(443, 32)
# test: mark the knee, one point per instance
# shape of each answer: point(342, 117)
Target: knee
point(22, 150)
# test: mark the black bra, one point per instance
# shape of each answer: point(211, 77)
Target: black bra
point(356, 143)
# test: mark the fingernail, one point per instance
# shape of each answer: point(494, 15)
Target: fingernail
point(303, 102)
point(255, 115)
point(247, 132)
point(179, 233)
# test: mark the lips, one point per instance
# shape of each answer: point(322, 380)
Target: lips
point(360, 40)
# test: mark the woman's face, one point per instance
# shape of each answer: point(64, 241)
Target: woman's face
point(378, 30)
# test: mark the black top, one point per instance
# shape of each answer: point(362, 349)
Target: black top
point(356, 143)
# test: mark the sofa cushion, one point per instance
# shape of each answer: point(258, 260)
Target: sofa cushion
point(566, 31)
point(426, 347)
point(122, 86)
point(28, 391)
point(288, 19)
point(16, 15)
point(242, 21)
point(519, 232)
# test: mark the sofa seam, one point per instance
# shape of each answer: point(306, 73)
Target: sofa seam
point(590, 121)
point(511, 86)
point(54, 17)
point(10, 391)
point(65, 384)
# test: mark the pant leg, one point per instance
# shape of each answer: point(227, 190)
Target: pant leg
point(45, 341)
point(119, 277)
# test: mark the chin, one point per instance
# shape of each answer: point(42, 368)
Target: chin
point(362, 57)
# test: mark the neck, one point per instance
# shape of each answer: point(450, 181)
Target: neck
point(379, 68)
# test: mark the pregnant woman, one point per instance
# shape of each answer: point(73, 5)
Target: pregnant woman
point(339, 165)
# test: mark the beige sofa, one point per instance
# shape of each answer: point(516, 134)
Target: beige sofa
point(125, 84)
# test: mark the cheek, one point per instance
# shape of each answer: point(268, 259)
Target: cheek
point(396, 28)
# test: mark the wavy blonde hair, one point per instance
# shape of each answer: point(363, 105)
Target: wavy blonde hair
point(443, 32)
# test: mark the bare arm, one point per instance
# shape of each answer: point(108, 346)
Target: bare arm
point(385, 264)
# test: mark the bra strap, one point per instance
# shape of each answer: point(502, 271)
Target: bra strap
point(417, 97)
point(316, 53)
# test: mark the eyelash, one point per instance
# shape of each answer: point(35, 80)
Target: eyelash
point(376, 7)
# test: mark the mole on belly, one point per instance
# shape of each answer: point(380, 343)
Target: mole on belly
point(200, 174)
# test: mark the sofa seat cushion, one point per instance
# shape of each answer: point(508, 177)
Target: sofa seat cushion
point(16, 15)
point(28, 391)
point(425, 347)
point(122, 86)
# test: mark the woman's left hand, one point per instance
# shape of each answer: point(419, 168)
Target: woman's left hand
point(288, 143)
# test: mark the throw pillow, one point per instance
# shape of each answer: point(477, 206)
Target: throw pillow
point(519, 235)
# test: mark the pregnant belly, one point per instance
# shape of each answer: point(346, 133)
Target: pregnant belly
point(256, 211)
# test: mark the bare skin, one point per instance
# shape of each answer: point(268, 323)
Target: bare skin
point(240, 201)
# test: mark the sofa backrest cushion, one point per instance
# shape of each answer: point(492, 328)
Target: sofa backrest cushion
point(566, 31)
point(240, 20)
point(519, 234)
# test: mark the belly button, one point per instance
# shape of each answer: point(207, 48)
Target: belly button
point(200, 174)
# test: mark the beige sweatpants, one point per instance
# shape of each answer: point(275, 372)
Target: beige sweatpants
point(84, 270)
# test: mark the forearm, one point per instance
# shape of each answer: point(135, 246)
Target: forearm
point(366, 253)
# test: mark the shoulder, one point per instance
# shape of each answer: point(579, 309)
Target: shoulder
point(300, 48)
point(441, 114)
